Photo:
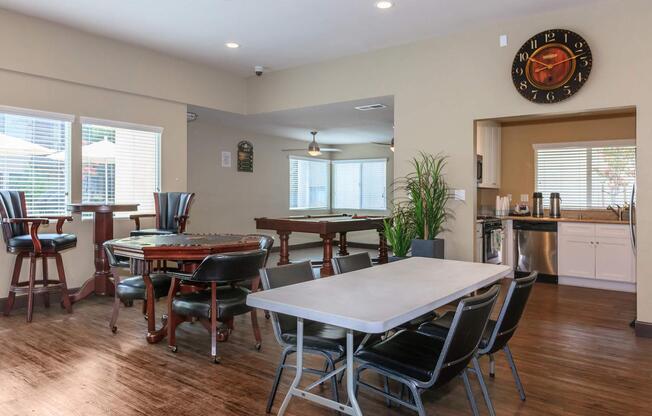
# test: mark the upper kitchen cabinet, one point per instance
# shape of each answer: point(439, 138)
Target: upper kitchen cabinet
point(488, 137)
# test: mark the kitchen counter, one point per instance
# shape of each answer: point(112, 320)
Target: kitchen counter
point(564, 219)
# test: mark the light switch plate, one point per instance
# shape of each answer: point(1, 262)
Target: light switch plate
point(226, 159)
point(502, 40)
point(459, 195)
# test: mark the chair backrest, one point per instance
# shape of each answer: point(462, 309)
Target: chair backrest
point(465, 334)
point(238, 266)
point(266, 243)
point(287, 275)
point(108, 249)
point(12, 205)
point(511, 312)
point(169, 207)
point(351, 262)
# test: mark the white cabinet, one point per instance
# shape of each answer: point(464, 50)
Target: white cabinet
point(488, 136)
point(596, 251)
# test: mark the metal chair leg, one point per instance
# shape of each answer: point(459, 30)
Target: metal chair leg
point(469, 392)
point(483, 386)
point(387, 391)
point(492, 366)
point(517, 379)
point(277, 380)
point(331, 366)
point(417, 400)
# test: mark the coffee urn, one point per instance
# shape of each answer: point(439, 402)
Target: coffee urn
point(555, 205)
point(537, 204)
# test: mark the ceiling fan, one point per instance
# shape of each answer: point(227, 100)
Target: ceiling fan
point(313, 147)
point(390, 144)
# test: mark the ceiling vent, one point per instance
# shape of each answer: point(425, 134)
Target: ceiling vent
point(370, 107)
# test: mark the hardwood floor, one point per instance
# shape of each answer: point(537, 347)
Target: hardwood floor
point(575, 352)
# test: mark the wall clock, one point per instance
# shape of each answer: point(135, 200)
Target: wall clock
point(552, 66)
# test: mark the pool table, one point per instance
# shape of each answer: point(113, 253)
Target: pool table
point(327, 226)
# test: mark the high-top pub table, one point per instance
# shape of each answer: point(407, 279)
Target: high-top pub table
point(175, 247)
point(327, 226)
point(99, 284)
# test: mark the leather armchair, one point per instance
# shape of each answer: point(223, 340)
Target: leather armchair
point(22, 238)
point(172, 213)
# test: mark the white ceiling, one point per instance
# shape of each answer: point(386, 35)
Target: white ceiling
point(275, 33)
point(338, 123)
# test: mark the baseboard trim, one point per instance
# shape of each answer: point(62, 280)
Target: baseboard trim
point(21, 300)
point(643, 329)
point(598, 284)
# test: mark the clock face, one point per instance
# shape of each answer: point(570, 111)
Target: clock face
point(552, 66)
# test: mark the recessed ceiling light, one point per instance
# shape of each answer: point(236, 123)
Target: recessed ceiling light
point(232, 45)
point(384, 4)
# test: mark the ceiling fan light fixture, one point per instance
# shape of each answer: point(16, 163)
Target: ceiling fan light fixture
point(313, 147)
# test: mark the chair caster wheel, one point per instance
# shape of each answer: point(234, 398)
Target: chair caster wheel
point(258, 346)
point(114, 329)
point(492, 375)
point(216, 359)
point(146, 317)
point(174, 348)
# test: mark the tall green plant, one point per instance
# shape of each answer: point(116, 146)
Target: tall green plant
point(428, 194)
point(399, 230)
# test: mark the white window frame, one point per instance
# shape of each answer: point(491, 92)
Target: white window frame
point(343, 161)
point(131, 126)
point(579, 144)
point(330, 183)
point(62, 117)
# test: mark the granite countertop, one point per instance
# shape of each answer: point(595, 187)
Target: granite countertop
point(564, 219)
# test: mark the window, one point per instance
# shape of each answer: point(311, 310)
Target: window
point(309, 183)
point(360, 184)
point(587, 174)
point(120, 163)
point(34, 158)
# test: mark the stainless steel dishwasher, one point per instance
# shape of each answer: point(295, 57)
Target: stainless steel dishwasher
point(535, 243)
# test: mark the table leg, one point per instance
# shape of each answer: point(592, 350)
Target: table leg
point(100, 283)
point(350, 385)
point(299, 370)
point(382, 247)
point(343, 251)
point(284, 237)
point(153, 335)
point(327, 267)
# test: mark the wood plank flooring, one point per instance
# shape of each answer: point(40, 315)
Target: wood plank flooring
point(575, 352)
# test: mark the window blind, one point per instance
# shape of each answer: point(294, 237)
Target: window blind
point(590, 175)
point(120, 164)
point(360, 184)
point(309, 183)
point(35, 158)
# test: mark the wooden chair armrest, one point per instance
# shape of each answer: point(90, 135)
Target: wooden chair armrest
point(33, 229)
point(60, 220)
point(137, 217)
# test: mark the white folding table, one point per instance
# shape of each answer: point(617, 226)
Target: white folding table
point(372, 301)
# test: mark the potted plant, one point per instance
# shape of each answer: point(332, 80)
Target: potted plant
point(427, 197)
point(399, 231)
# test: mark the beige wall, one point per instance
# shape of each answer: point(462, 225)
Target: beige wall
point(228, 200)
point(37, 47)
point(442, 85)
point(19, 90)
point(517, 153)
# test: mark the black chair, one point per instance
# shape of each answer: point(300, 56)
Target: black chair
point(225, 299)
point(326, 341)
point(172, 213)
point(21, 236)
point(351, 262)
point(498, 333)
point(421, 362)
point(132, 288)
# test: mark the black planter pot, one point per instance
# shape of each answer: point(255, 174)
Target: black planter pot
point(392, 259)
point(428, 248)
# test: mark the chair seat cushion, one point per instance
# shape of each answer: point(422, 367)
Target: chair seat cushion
point(152, 231)
point(440, 327)
point(133, 288)
point(407, 353)
point(323, 337)
point(231, 301)
point(49, 242)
